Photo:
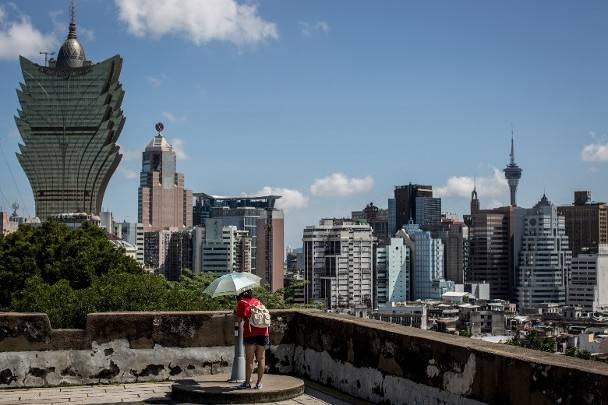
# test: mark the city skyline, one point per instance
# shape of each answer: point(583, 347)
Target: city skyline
point(439, 95)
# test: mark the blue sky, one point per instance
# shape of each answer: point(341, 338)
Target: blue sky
point(335, 102)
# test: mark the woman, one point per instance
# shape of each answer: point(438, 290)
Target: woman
point(255, 339)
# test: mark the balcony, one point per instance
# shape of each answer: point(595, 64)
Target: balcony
point(366, 359)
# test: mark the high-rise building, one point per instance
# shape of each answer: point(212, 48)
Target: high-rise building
point(133, 233)
point(70, 119)
point(222, 249)
point(377, 218)
point(405, 202)
point(428, 211)
point(453, 234)
point(162, 200)
point(264, 223)
point(545, 258)
point(393, 272)
point(586, 223)
point(392, 217)
point(168, 252)
point(588, 281)
point(427, 274)
point(513, 174)
point(339, 264)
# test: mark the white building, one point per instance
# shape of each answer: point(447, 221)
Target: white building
point(427, 270)
point(220, 248)
point(588, 281)
point(393, 272)
point(133, 233)
point(545, 258)
point(338, 264)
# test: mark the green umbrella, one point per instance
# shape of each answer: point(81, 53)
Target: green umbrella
point(232, 283)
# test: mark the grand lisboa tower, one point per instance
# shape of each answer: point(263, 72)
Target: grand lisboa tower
point(70, 120)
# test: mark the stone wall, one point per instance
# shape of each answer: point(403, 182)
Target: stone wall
point(372, 360)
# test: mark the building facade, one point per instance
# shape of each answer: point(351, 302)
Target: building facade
point(428, 211)
point(588, 281)
point(586, 223)
point(428, 279)
point(545, 257)
point(405, 202)
point(393, 272)
point(133, 233)
point(162, 200)
point(377, 218)
point(70, 119)
point(339, 264)
point(453, 235)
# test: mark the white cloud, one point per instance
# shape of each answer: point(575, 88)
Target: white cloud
point(172, 117)
point(155, 81)
point(20, 37)
point(338, 184)
point(595, 152)
point(199, 21)
point(129, 174)
point(178, 148)
point(290, 199)
point(308, 29)
point(461, 186)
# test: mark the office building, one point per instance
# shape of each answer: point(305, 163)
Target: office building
point(392, 217)
point(223, 249)
point(339, 264)
point(586, 223)
point(393, 272)
point(513, 174)
point(427, 274)
point(405, 202)
point(588, 281)
point(377, 218)
point(162, 200)
point(453, 234)
point(264, 223)
point(545, 257)
point(69, 120)
point(428, 211)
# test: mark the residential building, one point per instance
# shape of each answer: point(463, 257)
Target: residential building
point(162, 200)
point(378, 220)
point(339, 264)
point(393, 272)
point(133, 233)
point(545, 257)
point(168, 252)
point(405, 202)
point(586, 223)
point(70, 119)
point(264, 223)
point(428, 211)
point(588, 281)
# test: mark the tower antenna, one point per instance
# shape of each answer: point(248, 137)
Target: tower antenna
point(72, 12)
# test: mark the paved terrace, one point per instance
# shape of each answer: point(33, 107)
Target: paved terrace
point(369, 360)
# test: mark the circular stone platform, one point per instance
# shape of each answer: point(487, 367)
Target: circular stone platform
point(214, 389)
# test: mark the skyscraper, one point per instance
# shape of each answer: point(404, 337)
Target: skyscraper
point(70, 120)
point(427, 268)
point(405, 202)
point(377, 218)
point(586, 223)
point(162, 200)
point(545, 258)
point(428, 211)
point(513, 174)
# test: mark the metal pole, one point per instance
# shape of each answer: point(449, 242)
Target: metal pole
point(238, 362)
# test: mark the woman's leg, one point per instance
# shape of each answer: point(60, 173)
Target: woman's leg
point(260, 355)
point(249, 352)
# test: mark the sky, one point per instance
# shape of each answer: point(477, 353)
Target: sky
point(333, 103)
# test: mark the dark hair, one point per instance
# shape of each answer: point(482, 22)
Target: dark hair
point(245, 294)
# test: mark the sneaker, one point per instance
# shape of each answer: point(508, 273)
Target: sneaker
point(258, 386)
point(244, 386)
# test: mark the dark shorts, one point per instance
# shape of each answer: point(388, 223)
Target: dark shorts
point(257, 340)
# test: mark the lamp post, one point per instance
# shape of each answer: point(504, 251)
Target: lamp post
point(238, 362)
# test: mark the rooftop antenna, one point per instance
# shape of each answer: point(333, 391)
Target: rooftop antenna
point(72, 31)
point(46, 57)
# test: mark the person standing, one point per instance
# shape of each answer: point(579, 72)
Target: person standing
point(256, 335)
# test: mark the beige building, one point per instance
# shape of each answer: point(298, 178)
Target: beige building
point(163, 201)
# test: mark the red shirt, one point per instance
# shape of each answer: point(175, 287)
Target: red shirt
point(243, 310)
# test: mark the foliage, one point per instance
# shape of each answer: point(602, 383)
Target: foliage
point(464, 332)
point(576, 352)
point(534, 340)
point(71, 273)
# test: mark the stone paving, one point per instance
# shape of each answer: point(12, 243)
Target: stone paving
point(154, 392)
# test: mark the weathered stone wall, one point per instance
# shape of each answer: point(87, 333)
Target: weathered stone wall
point(393, 364)
point(372, 360)
point(117, 348)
